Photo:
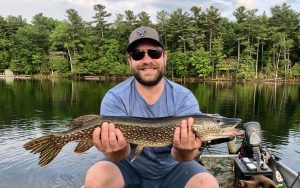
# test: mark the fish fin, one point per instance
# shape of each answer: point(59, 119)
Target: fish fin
point(138, 150)
point(46, 146)
point(83, 146)
point(78, 122)
point(48, 155)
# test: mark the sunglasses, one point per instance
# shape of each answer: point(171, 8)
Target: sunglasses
point(139, 54)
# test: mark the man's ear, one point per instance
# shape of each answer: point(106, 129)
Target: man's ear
point(129, 59)
point(165, 57)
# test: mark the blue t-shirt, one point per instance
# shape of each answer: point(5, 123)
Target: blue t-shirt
point(124, 100)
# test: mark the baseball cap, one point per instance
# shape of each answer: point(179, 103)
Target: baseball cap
point(143, 33)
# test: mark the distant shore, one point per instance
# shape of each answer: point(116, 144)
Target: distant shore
point(115, 78)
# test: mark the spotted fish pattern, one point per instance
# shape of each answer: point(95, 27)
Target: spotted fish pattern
point(144, 132)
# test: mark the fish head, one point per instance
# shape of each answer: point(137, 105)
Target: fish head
point(211, 127)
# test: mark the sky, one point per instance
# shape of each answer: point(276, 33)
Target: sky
point(57, 8)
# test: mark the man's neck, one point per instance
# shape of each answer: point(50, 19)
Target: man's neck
point(150, 93)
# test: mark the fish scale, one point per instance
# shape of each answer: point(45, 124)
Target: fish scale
point(144, 132)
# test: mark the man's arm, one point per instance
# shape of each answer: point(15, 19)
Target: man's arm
point(111, 142)
point(108, 139)
point(185, 143)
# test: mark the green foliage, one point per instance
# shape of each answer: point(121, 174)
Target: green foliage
point(269, 71)
point(110, 57)
point(59, 64)
point(200, 42)
point(59, 37)
point(295, 71)
point(217, 54)
point(246, 68)
point(180, 63)
point(201, 61)
point(39, 61)
point(101, 23)
point(4, 60)
point(227, 65)
point(229, 37)
point(179, 24)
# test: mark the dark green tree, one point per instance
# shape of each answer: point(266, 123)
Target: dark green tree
point(197, 31)
point(200, 59)
point(76, 32)
point(144, 19)
point(100, 17)
point(180, 35)
point(162, 18)
point(286, 21)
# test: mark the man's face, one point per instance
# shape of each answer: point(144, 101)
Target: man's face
point(148, 68)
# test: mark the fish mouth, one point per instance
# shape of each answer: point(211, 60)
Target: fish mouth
point(224, 122)
point(231, 122)
point(222, 128)
point(229, 127)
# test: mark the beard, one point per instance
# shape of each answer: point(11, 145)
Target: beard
point(148, 82)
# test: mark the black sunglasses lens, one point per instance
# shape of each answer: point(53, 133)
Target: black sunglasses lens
point(137, 55)
point(154, 54)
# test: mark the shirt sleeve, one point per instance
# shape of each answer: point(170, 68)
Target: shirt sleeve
point(188, 106)
point(112, 105)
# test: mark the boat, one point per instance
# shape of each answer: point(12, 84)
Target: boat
point(252, 165)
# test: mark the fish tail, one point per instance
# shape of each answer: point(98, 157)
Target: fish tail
point(48, 147)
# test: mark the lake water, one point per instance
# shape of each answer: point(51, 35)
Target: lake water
point(32, 108)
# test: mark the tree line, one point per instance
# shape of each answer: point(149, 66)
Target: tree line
point(200, 43)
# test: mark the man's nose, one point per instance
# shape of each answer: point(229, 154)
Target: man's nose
point(146, 58)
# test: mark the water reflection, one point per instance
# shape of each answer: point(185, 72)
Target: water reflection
point(18, 168)
point(9, 80)
point(32, 108)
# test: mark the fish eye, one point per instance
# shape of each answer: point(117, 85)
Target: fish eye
point(218, 120)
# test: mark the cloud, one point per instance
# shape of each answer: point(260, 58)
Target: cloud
point(82, 3)
point(248, 4)
point(153, 6)
point(57, 8)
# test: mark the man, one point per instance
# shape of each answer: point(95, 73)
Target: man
point(148, 94)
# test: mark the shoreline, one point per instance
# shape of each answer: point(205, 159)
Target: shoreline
point(182, 80)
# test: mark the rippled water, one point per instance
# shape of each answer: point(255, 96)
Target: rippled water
point(18, 167)
point(29, 109)
point(288, 151)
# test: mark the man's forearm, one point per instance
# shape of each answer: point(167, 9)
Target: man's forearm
point(184, 155)
point(118, 155)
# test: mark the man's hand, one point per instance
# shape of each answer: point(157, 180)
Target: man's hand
point(111, 142)
point(185, 143)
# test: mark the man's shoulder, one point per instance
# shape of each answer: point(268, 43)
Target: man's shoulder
point(177, 88)
point(123, 86)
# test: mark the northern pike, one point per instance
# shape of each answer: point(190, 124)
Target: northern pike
point(144, 132)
